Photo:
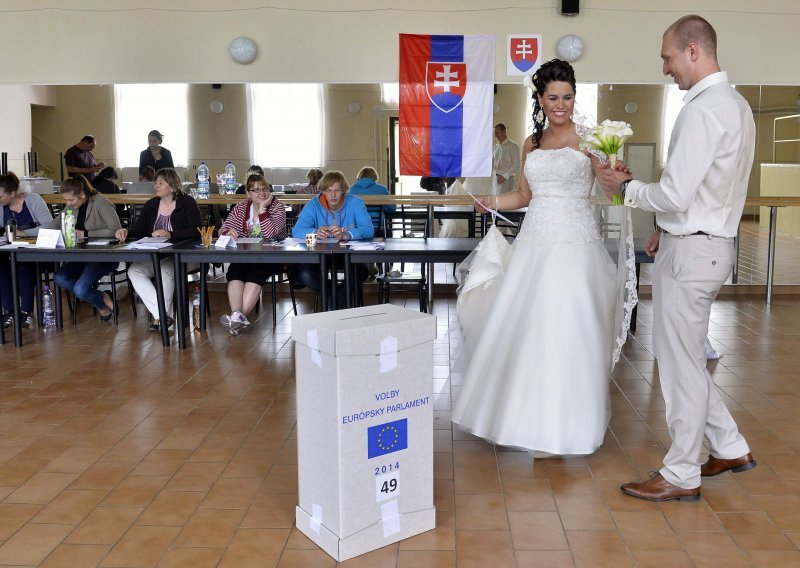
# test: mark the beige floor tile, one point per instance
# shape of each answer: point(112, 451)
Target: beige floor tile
point(481, 513)
point(210, 527)
point(305, 559)
point(76, 556)
point(177, 557)
point(255, 547)
point(32, 543)
point(104, 525)
point(426, 559)
point(443, 537)
point(141, 547)
point(135, 491)
point(540, 530)
point(171, 508)
point(15, 515)
point(661, 559)
point(754, 530)
point(713, 549)
point(584, 512)
point(523, 494)
point(478, 549)
point(41, 488)
point(70, 506)
point(539, 558)
point(598, 548)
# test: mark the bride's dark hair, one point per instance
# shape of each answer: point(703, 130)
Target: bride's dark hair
point(553, 70)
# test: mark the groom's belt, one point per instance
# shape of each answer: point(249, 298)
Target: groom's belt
point(689, 235)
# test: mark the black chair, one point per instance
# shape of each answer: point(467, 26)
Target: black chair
point(406, 228)
point(116, 276)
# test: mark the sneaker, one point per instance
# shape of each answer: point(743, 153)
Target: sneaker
point(238, 322)
point(711, 354)
point(8, 320)
point(27, 319)
point(225, 320)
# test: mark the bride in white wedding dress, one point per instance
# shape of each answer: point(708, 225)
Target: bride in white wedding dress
point(540, 337)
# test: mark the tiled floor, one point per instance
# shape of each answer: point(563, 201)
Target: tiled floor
point(116, 452)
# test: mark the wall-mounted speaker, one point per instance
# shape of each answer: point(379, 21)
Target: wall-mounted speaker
point(570, 7)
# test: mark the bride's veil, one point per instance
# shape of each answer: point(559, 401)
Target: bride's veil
point(616, 231)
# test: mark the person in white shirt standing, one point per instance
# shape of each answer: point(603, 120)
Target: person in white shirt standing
point(505, 161)
point(698, 204)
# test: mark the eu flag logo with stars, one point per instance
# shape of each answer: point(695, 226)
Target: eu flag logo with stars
point(387, 438)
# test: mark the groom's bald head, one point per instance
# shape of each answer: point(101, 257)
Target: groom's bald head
point(693, 29)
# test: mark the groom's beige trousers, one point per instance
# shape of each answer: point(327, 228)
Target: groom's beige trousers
point(688, 273)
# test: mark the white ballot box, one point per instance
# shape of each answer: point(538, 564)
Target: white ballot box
point(364, 427)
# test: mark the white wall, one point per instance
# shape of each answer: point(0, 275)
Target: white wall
point(102, 41)
point(15, 118)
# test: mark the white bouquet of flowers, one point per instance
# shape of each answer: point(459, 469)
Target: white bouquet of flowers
point(607, 138)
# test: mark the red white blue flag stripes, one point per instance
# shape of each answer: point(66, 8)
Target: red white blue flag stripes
point(446, 101)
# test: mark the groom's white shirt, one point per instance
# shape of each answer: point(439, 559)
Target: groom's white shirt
point(704, 183)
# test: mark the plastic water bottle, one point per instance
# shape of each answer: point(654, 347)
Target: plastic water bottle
point(196, 309)
point(202, 181)
point(230, 178)
point(68, 227)
point(48, 315)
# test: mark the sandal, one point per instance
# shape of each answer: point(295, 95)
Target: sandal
point(112, 311)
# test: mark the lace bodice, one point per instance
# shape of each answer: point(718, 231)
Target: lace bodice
point(561, 183)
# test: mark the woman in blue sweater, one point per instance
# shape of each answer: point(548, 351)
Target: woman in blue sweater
point(367, 184)
point(333, 214)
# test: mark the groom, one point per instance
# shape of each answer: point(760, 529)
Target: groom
point(698, 203)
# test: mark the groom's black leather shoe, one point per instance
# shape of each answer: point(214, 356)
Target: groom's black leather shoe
point(715, 466)
point(659, 489)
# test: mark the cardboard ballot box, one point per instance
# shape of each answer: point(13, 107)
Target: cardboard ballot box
point(364, 427)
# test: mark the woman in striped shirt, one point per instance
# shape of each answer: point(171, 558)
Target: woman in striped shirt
point(259, 216)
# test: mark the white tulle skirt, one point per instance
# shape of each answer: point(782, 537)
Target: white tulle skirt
point(537, 350)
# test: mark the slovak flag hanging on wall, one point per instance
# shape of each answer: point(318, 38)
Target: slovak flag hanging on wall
point(446, 103)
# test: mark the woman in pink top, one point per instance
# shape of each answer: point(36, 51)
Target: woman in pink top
point(259, 216)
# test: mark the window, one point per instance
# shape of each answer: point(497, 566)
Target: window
point(390, 93)
point(286, 125)
point(673, 103)
point(144, 107)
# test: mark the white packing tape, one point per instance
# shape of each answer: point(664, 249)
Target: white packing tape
point(388, 354)
point(313, 344)
point(390, 515)
point(315, 521)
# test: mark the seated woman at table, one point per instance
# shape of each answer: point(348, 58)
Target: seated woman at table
point(95, 216)
point(30, 212)
point(171, 214)
point(333, 214)
point(106, 181)
point(258, 216)
point(367, 184)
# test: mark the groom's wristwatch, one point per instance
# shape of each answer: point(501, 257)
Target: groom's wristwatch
point(623, 187)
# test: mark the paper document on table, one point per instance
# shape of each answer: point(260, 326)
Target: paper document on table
point(291, 241)
point(490, 210)
point(100, 242)
point(150, 243)
point(366, 246)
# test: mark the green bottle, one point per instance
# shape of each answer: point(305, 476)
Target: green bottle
point(68, 227)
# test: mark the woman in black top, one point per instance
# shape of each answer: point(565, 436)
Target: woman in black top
point(155, 155)
point(173, 215)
